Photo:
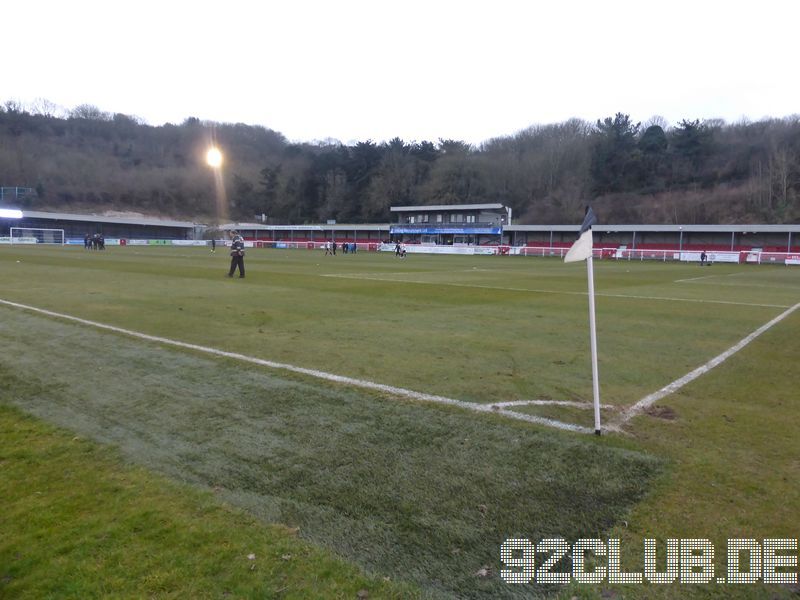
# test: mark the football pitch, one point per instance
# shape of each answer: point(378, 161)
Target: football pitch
point(409, 415)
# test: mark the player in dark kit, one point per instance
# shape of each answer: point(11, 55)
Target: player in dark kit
point(237, 255)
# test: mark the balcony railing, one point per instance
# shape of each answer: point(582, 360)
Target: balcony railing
point(448, 225)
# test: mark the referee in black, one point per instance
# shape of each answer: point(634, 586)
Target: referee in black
point(237, 255)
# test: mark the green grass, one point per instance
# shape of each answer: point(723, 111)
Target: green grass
point(423, 320)
point(412, 491)
point(734, 450)
point(77, 522)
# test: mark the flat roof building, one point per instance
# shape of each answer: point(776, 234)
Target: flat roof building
point(450, 224)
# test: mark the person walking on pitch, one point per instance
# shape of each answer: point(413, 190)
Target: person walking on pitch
point(237, 255)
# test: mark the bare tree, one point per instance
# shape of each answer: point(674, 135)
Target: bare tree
point(657, 120)
point(46, 108)
point(14, 106)
point(89, 112)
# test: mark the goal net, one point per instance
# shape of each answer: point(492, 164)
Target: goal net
point(34, 235)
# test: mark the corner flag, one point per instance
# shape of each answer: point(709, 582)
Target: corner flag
point(582, 248)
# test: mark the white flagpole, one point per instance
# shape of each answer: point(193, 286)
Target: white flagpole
point(593, 338)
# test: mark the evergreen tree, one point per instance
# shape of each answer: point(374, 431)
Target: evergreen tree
point(616, 158)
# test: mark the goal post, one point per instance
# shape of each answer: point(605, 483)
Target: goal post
point(37, 235)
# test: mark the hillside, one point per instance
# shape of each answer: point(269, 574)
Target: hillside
point(692, 172)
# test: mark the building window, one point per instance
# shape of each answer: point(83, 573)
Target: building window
point(456, 218)
point(412, 219)
point(423, 218)
point(439, 217)
point(470, 218)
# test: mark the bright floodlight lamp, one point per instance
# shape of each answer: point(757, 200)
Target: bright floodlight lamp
point(214, 157)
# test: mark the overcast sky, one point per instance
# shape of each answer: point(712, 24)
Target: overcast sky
point(417, 69)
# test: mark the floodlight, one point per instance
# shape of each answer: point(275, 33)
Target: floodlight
point(214, 157)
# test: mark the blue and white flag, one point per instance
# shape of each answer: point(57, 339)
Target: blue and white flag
point(582, 248)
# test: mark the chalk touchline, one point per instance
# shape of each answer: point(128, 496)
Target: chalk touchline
point(651, 399)
point(361, 383)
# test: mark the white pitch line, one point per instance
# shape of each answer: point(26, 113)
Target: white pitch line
point(562, 292)
point(746, 284)
point(703, 277)
point(540, 420)
point(695, 300)
point(361, 383)
point(582, 405)
point(650, 399)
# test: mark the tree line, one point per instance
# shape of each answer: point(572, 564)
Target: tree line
point(690, 172)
